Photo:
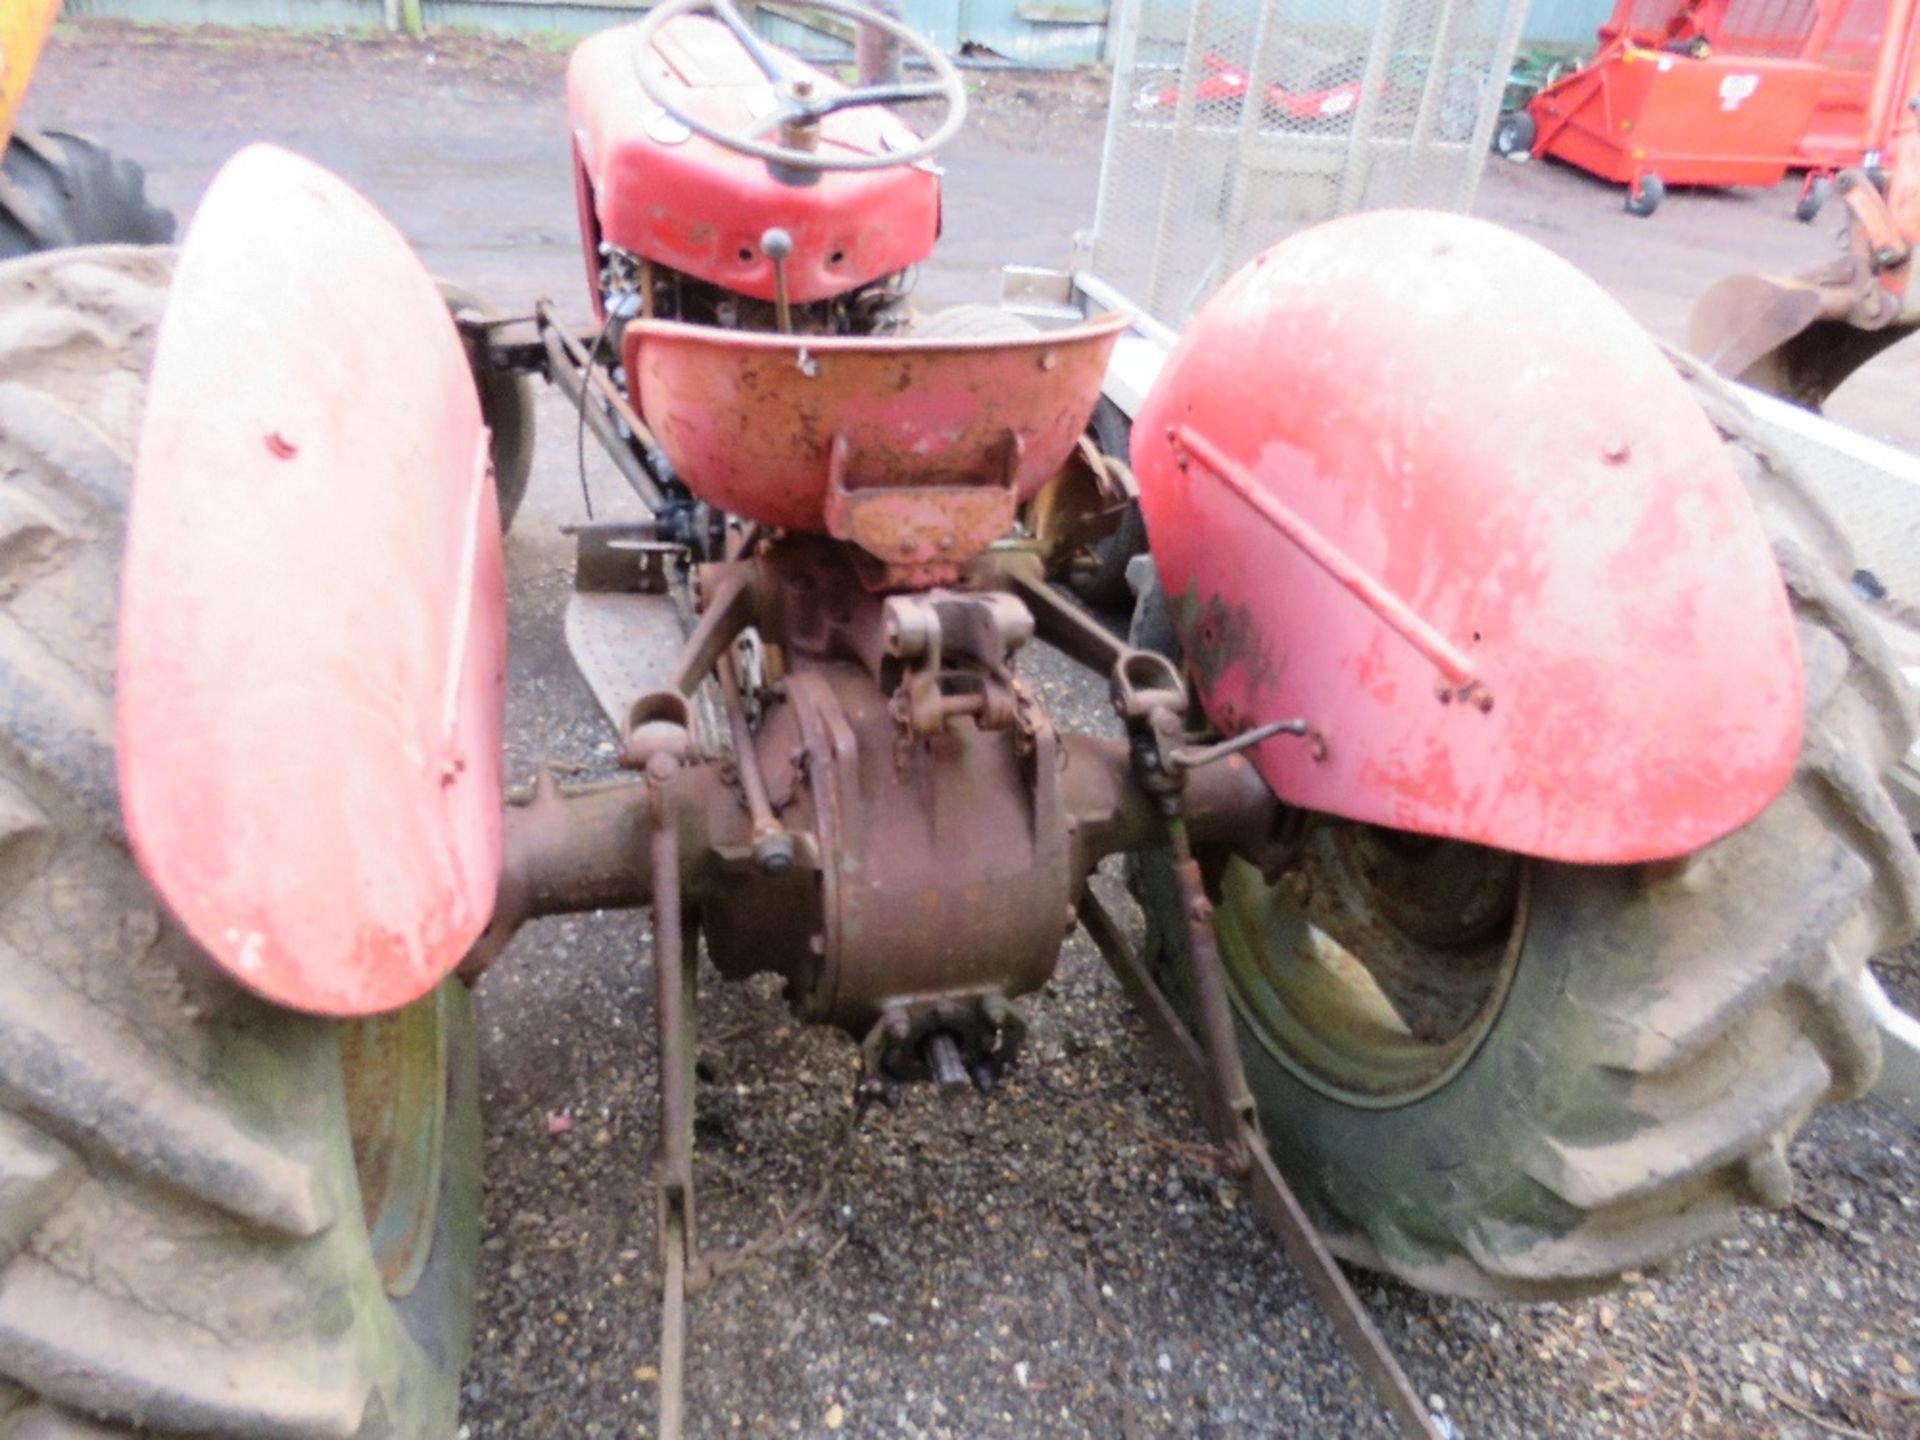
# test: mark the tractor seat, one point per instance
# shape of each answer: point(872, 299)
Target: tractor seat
point(918, 448)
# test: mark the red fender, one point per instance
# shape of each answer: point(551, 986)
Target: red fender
point(312, 616)
point(1415, 480)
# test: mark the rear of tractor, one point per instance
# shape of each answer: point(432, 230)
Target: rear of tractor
point(1510, 836)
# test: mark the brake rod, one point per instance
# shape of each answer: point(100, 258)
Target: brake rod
point(676, 950)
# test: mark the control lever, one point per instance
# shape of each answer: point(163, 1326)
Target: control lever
point(1192, 757)
point(776, 244)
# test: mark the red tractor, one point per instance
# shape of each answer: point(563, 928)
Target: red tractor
point(1497, 752)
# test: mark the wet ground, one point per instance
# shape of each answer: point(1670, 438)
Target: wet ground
point(1061, 1258)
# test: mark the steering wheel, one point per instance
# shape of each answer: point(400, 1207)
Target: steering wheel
point(799, 105)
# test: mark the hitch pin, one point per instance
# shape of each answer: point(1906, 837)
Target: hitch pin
point(1192, 757)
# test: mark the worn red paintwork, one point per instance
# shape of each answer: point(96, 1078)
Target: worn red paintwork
point(647, 186)
point(312, 615)
point(751, 422)
point(1478, 430)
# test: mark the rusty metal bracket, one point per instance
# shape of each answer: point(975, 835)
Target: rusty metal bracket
point(1885, 245)
point(1140, 682)
point(620, 557)
point(1233, 1099)
point(921, 534)
point(773, 849)
point(1266, 1186)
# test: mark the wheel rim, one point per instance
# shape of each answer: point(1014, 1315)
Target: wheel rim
point(1374, 967)
point(395, 1070)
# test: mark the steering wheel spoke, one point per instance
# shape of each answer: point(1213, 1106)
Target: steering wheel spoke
point(788, 162)
point(731, 17)
point(876, 95)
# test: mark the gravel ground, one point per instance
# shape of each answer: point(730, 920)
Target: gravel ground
point(1063, 1257)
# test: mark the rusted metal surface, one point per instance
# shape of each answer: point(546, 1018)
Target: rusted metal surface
point(676, 953)
point(939, 867)
point(929, 631)
point(394, 1072)
point(1080, 505)
point(772, 846)
point(921, 534)
point(1140, 683)
point(940, 858)
point(1566, 523)
point(312, 617)
point(1266, 1186)
point(1227, 1076)
point(727, 609)
point(582, 848)
point(929, 420)
point(1801, 337)
point(1454, 666)
point(585, 848)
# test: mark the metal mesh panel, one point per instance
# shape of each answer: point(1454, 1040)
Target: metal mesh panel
point(1855, 43)
point(1839, 33)
point(1235, 122)
point(1767, 27)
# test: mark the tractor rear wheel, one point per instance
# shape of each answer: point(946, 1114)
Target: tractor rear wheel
point(1105, 584)
point(506, 407)
point(216, 1217)
point(58, 189)
point(1500, 1077)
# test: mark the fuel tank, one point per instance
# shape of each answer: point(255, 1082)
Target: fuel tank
point(649, 186)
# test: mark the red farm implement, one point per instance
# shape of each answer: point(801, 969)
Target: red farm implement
point(1456, 723)
point(1727, 92)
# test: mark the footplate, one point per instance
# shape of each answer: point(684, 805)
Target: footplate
point(623, 626)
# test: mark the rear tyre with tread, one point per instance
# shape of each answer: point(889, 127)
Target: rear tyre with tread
point(1105, 584)
point(185, 1203)
point(58, 189)
point(506, 407)
point(1663, 1031)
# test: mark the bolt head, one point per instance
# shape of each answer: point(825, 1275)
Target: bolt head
point(773, 854)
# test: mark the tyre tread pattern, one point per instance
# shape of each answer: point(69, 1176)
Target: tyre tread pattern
point(1687, 1040)
point(167, 1257)
point(1725, 1079)
point(59, 189)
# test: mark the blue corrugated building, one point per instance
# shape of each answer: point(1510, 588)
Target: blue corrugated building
point(1050, 32)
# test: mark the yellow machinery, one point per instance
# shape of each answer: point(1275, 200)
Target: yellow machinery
point(58, 188)
point(23, 29)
